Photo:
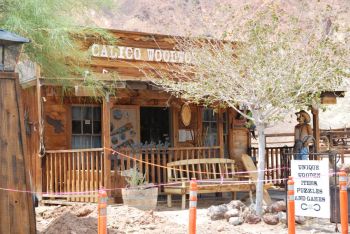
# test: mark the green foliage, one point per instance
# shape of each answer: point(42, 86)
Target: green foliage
point(53, 26)
point(135, 178)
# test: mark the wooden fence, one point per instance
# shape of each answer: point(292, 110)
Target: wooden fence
point(275, 163)
point(68, 172)
point(158, 156)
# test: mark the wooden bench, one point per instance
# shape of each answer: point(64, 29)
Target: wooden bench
point(213, 175)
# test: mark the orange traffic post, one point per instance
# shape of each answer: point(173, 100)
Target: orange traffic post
point(291, 206)
point(102, 212)
point(193, 206)
point(343, 198)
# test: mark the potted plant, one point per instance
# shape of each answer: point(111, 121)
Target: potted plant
point(139, 193)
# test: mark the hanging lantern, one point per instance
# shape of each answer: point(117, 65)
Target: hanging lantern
point(10, 49)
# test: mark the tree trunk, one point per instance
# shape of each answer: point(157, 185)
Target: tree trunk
point(261, 169)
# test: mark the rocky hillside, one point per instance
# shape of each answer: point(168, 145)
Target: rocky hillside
point(204, 17)
point(211, 18)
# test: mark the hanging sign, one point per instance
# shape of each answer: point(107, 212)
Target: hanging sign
point(311, 188)
point(186, 114)
point(141, 54)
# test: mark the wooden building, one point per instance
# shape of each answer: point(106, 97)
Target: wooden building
point(69, 136)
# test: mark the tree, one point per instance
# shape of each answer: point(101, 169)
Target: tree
point(55, 30)
point(273, 63)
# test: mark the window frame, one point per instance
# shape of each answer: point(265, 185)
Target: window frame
point(210, 123)
point(82, 134)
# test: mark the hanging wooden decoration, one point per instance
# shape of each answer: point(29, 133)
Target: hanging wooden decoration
point(186, 114)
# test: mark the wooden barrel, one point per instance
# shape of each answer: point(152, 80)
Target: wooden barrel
point(143, 199)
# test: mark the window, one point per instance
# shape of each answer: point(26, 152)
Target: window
point(210, 128)
point(86, 127)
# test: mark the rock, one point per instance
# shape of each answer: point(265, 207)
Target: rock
point(231, 213)
point(85, 211)
point(220, 228)
point(235, 221)
point(300, 220)
point(236, 204)
point(151, 226)
point(277, 207)
point(282, 217)
point(217, 212)
point(271, 219)
point(266, 209)
point(252, 219)
point(245, 213)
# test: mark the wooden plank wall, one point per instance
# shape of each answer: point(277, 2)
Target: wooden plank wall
point(56, 115)
point(58, 118)
point(16, 208)
point(31, 120)
point(57, 111)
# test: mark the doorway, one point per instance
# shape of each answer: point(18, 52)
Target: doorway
point(155, 127)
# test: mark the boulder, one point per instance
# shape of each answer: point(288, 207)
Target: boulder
point(282, 217)
point(217, 212)
point(245, 212)
point(300, 220)
point(271, 219)
point(84, 211)
point(252, 219)
point(220, 229)
point(235, 221)
point(277, 207)
point(266, 209)
point(236, 204)
point(231, 213)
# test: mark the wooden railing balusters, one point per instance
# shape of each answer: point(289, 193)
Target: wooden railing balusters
point(71, 171)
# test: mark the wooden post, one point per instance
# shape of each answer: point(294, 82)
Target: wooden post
point(38, 160)
point(199, 127)
point(230, 113)
point(220, 125)
point(16, 208)
point(175, 125)
point(316, 128)
point(106, 115)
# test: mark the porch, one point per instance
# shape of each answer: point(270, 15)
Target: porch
point(76, 175)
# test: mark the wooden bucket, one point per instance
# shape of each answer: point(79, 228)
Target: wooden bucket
point(143, 199)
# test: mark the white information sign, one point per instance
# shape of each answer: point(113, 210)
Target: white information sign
point(311, 187)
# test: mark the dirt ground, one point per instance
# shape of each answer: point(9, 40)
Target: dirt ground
point(82, 218)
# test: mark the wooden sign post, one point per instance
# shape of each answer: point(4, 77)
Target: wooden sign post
point(16, 208)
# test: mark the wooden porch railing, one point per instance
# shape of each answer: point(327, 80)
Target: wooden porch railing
point(68, 172)
point(158, 156)
point(275, 161)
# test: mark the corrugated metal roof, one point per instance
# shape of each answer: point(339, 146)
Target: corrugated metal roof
point(7, 37)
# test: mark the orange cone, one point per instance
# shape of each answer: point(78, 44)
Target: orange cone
point(291, 206)
point(102, 212)
point(343, 198)
point(193, 206)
